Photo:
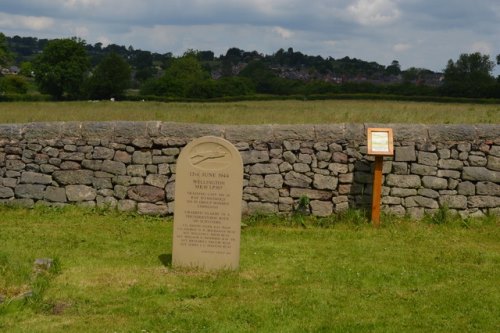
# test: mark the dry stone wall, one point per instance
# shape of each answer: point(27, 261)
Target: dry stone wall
point(131, 166)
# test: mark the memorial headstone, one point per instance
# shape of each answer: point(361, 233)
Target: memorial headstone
point(207, 211)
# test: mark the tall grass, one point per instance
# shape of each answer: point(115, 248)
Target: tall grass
point(253, 112)
point(114, 275)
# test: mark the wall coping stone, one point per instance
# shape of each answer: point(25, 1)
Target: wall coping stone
point(238, 133)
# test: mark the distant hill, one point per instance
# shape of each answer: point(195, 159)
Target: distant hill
point(285, 64)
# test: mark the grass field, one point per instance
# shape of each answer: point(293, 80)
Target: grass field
point(112, 275)
point(262, 112)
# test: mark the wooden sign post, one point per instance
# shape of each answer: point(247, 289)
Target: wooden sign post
point(380, 144)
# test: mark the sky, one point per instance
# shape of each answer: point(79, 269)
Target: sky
point(417, 33)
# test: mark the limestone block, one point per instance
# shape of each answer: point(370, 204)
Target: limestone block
point(426, 158)
point(423, 170)
point(102, 153)
point(391, 200)
point(477, 160)
point(323, 156)
point(416, 213)
point(419, 201)
point(136, 170)
point(488, 188)
point(261, 194)
point(102, 183)
point(453, 201)
point(157, 180)
point(72, 156)
point(451, 164)
point(274, 181)
point(311, 194)
point(448, 174)
point(338, 168)
point(495, 151)
point(305, 158)
point(35, 178)
point(55, 194)
point(264, 169)
point(78, 193)
point(404, 181)
point(346, 178)
point(405, 154)
point(466, 188)
point(262, 207)
point(126, 205)
point(480, 201)
point(434, 183)
point(142, 157)
point(95, 165)
point(106, 202)
point(6, 192)
point(493, 163)
point(325, 182)
point(321, 208)
point(295, 179)
point(397, 210)
point(15, 165)
point(480, 174)
point(145, 208)
point(301, 167)
point(114, 167)
point(122, 156)
point(403, 192)
point(254, 156)
point(446, 133)
point(339, 157)
point(75, 177)
point(464, 147)
point(429, 193)
point(400, 168)
point(146, 193)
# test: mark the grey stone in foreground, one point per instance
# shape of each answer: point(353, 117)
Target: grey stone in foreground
point(79, 193)
point(481, 174)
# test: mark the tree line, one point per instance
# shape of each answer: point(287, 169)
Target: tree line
point(72, 69)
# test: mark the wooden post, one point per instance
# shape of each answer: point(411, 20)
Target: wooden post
point(380, 144)
point(377, 190)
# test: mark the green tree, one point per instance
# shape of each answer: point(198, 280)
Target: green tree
point(61, 69)
point(5, 54)
point(110, 78)
point(394, 68)
point(469, 76)
point(181, 79)
point(13, 84)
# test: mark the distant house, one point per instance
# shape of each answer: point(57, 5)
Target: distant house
point(12, 70)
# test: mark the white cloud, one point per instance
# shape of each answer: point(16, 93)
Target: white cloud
point(401, 47)
point(82, 3)
point(482, 47)
point(25, 22)
point(331, 43)
point(283, 33)
point(374, 12)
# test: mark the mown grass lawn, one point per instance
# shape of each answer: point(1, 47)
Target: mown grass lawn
point(112, 275)
point(254, 112)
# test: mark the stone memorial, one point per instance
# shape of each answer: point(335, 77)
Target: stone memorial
point(207, 212)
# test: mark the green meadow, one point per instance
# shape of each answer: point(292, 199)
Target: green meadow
point(112, 273)
point(254, 112)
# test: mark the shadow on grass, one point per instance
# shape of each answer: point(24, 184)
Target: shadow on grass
point(166, 259)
